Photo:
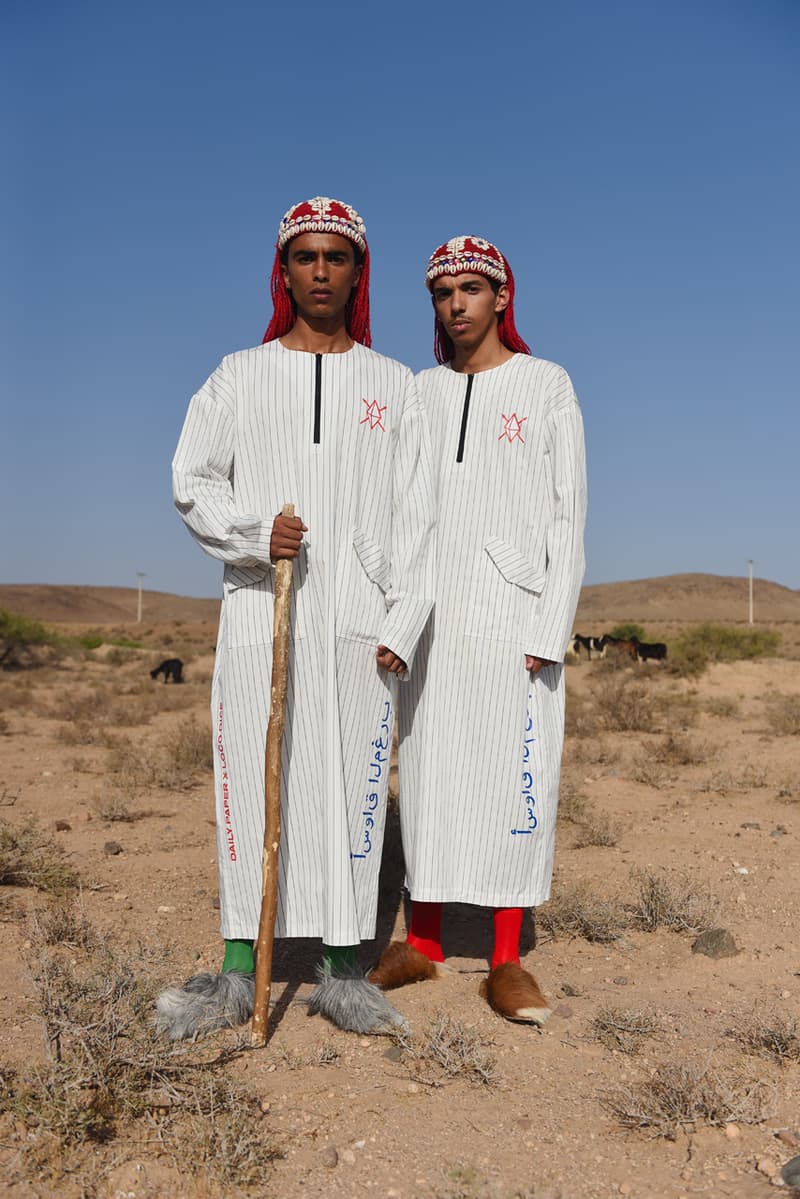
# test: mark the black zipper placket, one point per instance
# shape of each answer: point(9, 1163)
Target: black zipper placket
point(464, 419)
point(318, 399)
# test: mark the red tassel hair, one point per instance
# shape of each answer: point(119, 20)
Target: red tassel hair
point(356, 313)
point(443, 346)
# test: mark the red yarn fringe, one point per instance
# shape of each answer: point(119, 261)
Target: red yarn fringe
point(356, 313)
point(443, 346)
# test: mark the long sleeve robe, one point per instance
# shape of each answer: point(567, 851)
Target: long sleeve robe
point(481, 738)
point(344, 437)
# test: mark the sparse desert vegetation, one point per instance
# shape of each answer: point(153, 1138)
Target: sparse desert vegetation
point(678, 814)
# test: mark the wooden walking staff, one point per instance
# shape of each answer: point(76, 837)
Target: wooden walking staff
point(272, 795)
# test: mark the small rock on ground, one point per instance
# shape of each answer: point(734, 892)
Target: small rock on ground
point(790, 1172)
point(716, 943)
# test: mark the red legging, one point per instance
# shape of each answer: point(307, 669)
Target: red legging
point(425, 933)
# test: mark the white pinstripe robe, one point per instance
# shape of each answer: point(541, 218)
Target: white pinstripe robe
point(364, 577)
point(481, 738)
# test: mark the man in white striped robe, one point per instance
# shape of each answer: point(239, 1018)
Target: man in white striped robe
point(482, 721)
point(314, 417)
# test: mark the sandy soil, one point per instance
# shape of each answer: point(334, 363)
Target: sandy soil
point(725, 823)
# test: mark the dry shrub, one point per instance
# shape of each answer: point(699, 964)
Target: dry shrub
point(447, 1051)
point(593, 751)
point(109, 1084)
point(579, 720)
point(223, 1138)
point(171, 764)
point(676, 750)
point(678, 903)
point(773, 1036)
point(680, 1095)
point(645, 769)
point(789, 790)
point(188, 747)
point(623, 1030)
point(115, 808)
point(722, 706)
point(726, 782)
point(573, 805)
point(613, 661)
point(678, 709)
point(63, 922)
point(578, 911)
point(92, 714)
point(119, 656)
point(624, 705)
point(81, 707)
point(597, 830)
point(29, 858)
point(783, 714)
point(80, 732)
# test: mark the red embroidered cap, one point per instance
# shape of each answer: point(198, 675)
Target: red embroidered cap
point(474, 256)
point(322, 215)
point(467, 256)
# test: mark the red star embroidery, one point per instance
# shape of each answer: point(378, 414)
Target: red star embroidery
point(512, 427)
point(374, 415)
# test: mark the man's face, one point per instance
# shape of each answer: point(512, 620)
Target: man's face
point(320, 273)
point(468, 307)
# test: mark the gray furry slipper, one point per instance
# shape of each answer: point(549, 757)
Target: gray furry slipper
point(353, 1003)
point(205, 1003)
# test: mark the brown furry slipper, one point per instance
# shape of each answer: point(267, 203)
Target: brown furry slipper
point(401, 963)
point(515, 994)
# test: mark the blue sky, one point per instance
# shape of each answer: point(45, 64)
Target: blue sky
point(636, 161)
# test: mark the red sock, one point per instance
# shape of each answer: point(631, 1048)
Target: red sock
point(507, 927)
point(425, 933)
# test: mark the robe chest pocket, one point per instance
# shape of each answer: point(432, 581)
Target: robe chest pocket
point(362, 591)
point(249, 604)
point(500, 604)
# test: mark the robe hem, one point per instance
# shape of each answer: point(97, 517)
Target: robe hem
point(497, 900)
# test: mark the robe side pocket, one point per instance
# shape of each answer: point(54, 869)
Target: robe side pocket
point(249, 604)
point(363, 604)
point(503, 591)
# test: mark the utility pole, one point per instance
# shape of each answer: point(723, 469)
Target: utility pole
point(140, 574)
point(750, 578)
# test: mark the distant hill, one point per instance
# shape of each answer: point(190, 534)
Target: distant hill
point(690, 597)
point(62, 604)
point(673, 598)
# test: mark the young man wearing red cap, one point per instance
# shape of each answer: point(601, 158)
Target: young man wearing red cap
point(313, 417)
point(481, 741)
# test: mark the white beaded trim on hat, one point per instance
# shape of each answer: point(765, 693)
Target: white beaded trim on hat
point(459, 261)
point(322, 221)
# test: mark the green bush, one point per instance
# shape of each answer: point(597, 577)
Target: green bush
point(705, 643)
point(19, 633)
point(90, 640)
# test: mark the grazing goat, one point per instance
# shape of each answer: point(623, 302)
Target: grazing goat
point(654, 649)
point(598, 644)
point(626, 647)
point(171, 668)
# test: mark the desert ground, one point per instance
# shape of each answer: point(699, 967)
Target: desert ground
point(663, 1072)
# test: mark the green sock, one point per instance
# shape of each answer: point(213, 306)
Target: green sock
point(339, 959)
point(238, 956)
